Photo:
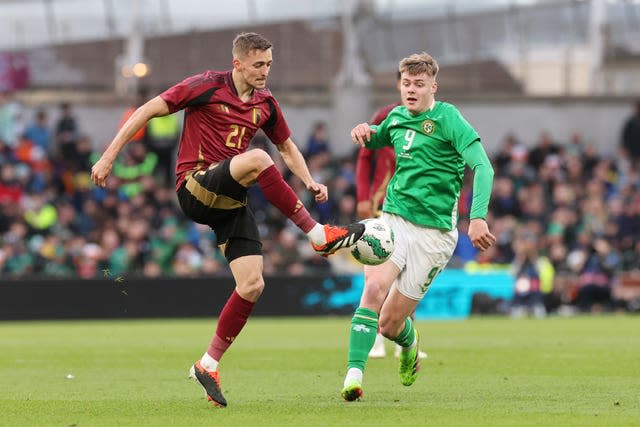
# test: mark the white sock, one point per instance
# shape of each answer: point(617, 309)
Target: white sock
point(316, 234)
point(353, 374)
point(209, 363)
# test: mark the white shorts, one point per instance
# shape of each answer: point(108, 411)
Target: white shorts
point(420, 253)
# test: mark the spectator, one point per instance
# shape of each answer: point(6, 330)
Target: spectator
point(505, 155)
point(129, 110)
point(18, 258)
point(162, 136)
point(631, 135)
point(575, 146)
point(136, 163)
point(577, 190)
point(39, 132)
point(318, 142)
point(8, 125)
point(40, 214)
point(533, 276)
point(544, 148)
point(596, 274)
point(504, 201)
point(6, 153)
point(66, 134)
point(27, 152)
point(187, 261)
point(288, 259)
point(10, 189)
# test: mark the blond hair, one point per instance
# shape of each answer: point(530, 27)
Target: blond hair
point(244, 43)
point(419, 63)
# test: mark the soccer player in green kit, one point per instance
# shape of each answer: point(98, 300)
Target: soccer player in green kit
point(433, 143)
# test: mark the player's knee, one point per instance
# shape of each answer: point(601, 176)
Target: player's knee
point(260, 158)
point(246, 167)
point(374, 292)
point(251, 287)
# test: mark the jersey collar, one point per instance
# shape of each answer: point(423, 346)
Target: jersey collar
point(229, 80)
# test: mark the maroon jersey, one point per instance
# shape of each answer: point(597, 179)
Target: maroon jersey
point(217, 124)
point(374, 168)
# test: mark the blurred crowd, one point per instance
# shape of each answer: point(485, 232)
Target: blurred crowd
point(567, 217)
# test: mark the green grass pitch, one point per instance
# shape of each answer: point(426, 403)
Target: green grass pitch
point(580, 371)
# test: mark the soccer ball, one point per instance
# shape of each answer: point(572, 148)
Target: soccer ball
point(376, 244)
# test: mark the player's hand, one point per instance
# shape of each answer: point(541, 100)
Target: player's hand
point(319, 190)
point(361, 134)
point(100, 171)
point(479, 234)
point(365, 209)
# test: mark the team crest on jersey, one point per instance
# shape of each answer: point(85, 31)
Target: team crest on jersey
point(428, 126)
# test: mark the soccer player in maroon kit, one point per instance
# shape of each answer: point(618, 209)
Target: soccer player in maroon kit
point(223, 111)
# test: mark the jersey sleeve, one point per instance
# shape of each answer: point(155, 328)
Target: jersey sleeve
point(475, 156)
point(381, 137)
point(191, 92)
point(461, 133)
point(276, 127)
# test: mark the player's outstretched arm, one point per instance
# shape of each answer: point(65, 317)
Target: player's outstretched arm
point(361, 134)
point(295, 162)
point(153, 108)
point(478, 161)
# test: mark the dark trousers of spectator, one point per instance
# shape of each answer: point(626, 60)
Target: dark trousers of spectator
point(552, 301)
point(165, 164)
point(590, 295)
point(528, 303)
point(528, 299)
point(69, 152)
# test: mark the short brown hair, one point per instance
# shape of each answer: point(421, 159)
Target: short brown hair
point(244, 43)
point(419, 63)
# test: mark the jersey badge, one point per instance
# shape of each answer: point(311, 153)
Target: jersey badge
point(428, 126)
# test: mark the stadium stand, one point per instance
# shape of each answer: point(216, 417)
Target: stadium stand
point(53, 223)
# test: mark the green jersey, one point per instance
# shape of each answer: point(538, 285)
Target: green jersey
point(430, 163)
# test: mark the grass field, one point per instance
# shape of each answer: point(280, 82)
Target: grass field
point(581, 371)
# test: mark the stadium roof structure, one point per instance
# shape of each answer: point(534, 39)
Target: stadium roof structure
point(480, 48)
point(30, 23)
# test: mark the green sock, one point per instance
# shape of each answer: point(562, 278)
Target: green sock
point(364, 327)
point(407, 336)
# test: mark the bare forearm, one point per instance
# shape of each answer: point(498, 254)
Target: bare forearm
point(295, 162)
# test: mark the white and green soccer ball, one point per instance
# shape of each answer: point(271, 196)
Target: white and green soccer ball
point(376, 244)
